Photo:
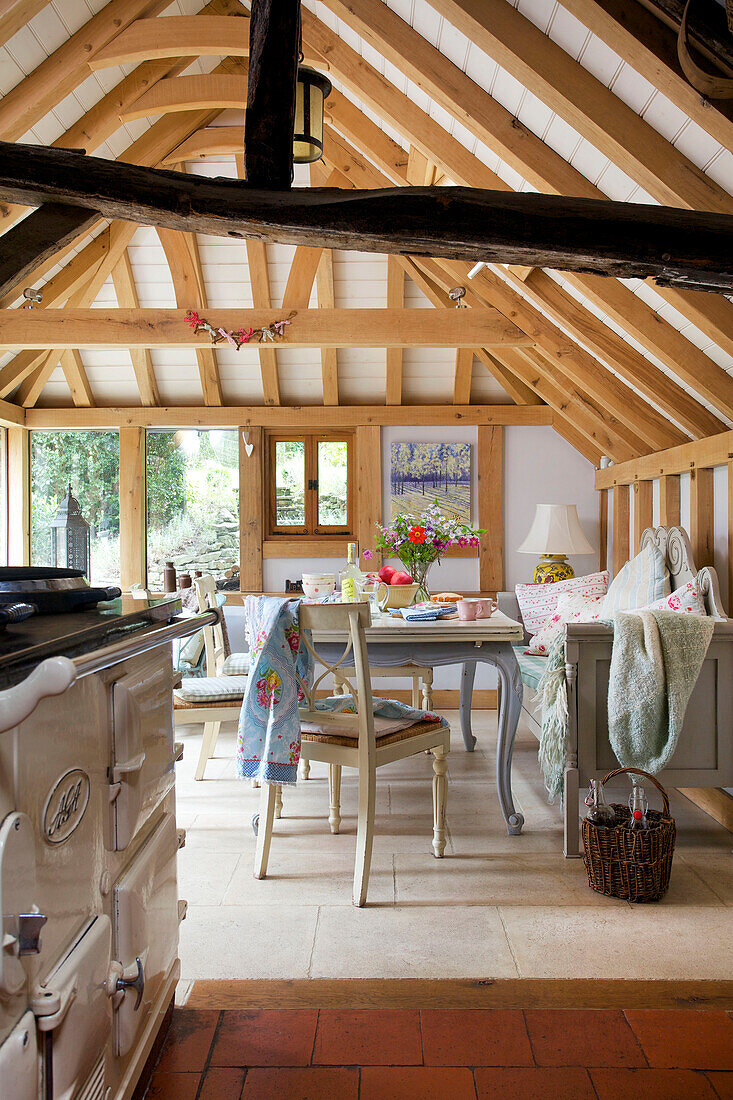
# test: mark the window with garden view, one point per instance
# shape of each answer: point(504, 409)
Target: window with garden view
point(193, 502)
point(90, 462)
point(309, 480)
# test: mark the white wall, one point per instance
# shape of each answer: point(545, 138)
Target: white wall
point(540, 467)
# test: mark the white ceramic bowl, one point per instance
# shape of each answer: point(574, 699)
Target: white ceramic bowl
point(318, 585)
point(400, 595)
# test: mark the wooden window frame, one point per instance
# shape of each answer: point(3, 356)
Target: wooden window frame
point(311, 530)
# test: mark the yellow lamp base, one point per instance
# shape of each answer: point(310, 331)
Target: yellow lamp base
point(552, 567)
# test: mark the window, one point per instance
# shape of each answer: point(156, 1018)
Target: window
point(193, 502)
point(90, 462)
point(309, 480)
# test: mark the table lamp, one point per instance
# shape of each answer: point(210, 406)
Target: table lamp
point(555, 533)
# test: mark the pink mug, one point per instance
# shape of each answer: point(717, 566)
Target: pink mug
point(466, 610)
point(485, 608)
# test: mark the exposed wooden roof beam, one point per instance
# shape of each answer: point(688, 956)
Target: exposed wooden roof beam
point(591, 418)
point(395, 300)
point(76, 376)
point(336, 328)
point(623, 239)
point(651, 48)
point(603, 342)
point(142, 361)
point(577, 96)
point(493, 124)
point(67, 67)
point(197, 92)
point(181, 36)
point(462, 376)
point(304, 416)
point(14, 16)
point(319, 177)
point(190, 294)
point(259, 277)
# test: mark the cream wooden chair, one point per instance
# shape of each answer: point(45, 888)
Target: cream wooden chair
point(355, 744)
point(216, 697)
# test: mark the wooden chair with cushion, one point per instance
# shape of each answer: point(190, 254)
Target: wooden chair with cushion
point(216, 697)
point(350, 740)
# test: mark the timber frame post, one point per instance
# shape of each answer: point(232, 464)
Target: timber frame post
point(133, 508)
point(269, 121)
point(19, 497)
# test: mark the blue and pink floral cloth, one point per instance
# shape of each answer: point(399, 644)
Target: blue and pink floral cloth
point(268, 742)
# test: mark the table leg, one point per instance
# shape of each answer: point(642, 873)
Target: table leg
point(468, 675)
point(510, 709)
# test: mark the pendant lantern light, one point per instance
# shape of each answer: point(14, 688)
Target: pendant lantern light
point(311, 91)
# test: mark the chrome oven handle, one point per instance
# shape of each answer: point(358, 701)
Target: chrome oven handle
point(56, 674)
point(137, 983)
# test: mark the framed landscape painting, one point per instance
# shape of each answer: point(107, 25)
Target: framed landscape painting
point(423, 472)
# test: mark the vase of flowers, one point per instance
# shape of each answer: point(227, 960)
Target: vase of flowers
point(420, 541)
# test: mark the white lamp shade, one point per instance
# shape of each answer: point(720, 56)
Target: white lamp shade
point(556, 530)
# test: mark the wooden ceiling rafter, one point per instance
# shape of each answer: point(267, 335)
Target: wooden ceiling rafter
point(643, 422)
point(123, 278)
point(182, 256)
point(496, 127)
point(259, 277)
point(67, 67)
point(326, 294)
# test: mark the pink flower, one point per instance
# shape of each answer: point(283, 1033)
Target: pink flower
point(368, 554)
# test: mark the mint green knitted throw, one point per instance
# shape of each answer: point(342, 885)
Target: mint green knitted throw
point(655, 663)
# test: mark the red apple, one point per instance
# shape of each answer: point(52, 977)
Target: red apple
point(386, 573)
point(372, 576)
point(401, 578)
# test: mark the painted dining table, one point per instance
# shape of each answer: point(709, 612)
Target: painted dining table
point(392, 641)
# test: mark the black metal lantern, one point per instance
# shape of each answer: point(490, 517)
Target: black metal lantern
point(70, 547)
point(311, 91)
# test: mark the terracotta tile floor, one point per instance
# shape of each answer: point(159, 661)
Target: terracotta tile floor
point(404, 1054)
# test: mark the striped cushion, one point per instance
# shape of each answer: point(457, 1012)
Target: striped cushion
point(236, 664)
point(643, 580)
point(211, 689)
point(531, 667)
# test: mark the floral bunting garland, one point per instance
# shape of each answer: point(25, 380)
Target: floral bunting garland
point(237, 337)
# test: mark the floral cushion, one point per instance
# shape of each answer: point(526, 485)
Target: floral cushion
point(686, 599)
point(571, 608)
point(642, 581)
point(537, 602)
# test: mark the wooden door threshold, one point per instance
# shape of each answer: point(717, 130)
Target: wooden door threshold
point(460, 993)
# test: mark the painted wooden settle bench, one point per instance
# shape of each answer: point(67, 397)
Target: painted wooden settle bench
point(704, 755)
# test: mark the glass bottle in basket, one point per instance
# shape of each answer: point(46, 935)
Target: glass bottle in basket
point(638, 804)
point(599, 811)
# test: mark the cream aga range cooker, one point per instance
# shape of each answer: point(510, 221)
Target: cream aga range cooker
point(88, 844)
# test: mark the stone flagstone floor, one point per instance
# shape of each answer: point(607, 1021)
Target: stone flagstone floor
point(495, 906)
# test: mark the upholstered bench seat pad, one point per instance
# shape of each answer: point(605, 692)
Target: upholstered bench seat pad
point(211, 689)
point(531, 667)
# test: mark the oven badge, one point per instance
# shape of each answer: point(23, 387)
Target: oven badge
point(65, 806)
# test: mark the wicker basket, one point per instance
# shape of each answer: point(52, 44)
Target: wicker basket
point(629, 865)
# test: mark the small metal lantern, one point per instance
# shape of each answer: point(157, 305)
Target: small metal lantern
point(70, 542)
point(311, 91)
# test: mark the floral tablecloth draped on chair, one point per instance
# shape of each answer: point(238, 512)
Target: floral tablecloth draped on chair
point(268, 741)
point(419, 543)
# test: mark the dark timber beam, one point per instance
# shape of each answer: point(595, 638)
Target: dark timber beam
point(274, 33)
point(678, 247)
point(38, 236)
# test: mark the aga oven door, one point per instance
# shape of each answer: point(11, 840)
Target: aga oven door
point(142, 769)
point(73, 1011)
point(146, 928)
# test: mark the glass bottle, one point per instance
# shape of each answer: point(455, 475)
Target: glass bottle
point(638, 805)
point(599, 811)
point(351, 577)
